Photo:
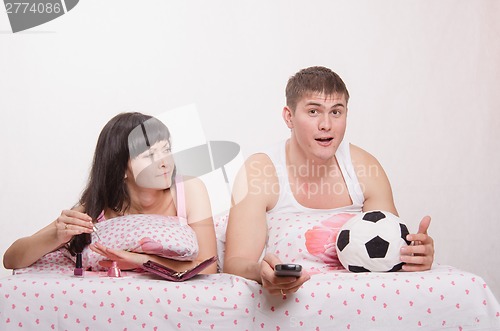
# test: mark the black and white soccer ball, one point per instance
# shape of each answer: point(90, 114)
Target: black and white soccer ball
point(371, 241)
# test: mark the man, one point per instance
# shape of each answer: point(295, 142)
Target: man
point(314, 170)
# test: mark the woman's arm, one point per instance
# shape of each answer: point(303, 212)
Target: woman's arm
point(199, 215)
point(26, 251)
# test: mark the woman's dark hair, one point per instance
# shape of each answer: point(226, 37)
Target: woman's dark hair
point(106, 188)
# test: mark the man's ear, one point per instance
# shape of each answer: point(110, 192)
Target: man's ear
point(287, 116)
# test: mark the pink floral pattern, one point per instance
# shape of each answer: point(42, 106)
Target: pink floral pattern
point(321, 239)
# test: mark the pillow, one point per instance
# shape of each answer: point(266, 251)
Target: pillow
point(306, 238)
point(58, 261)
point(220, 224)
point(165, 236)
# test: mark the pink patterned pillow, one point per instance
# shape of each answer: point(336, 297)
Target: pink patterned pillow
point(166, 236)
point(58, 261)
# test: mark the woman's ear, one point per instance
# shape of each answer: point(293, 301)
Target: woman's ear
point(128, 171)
point(288, 116)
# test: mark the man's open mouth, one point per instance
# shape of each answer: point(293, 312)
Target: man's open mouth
point(324, 139)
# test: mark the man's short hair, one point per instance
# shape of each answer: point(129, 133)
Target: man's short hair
point(313, 79)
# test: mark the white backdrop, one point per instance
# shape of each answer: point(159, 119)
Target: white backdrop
point(423, 76)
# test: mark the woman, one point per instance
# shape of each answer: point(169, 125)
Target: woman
point(132, 173)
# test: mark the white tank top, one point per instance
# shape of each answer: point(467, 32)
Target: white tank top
point(286, 201)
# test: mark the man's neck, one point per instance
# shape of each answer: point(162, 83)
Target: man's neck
point(307, 167)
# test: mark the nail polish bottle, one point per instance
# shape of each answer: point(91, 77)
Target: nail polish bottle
point(78, 267)
point(114, 271)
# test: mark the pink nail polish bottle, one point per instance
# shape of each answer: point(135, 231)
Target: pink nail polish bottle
point(78, 267)
point(114, 271)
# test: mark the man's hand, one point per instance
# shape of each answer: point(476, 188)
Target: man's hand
point(420, 254)
point(279, 285)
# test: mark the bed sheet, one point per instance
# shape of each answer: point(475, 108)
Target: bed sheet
point(444, 298)
point(47, 296)
point(137, 301)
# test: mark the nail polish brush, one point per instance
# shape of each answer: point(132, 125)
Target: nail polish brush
point(95, 231)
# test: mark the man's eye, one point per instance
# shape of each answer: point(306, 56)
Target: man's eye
point(313, 111)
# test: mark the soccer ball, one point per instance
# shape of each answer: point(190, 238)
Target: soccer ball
point(371, 241)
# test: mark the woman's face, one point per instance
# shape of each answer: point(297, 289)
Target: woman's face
point(153, 168)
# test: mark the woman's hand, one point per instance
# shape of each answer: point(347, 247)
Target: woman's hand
point(419, 256)
point(125, 260)
point(71, 223)
point(279, 285)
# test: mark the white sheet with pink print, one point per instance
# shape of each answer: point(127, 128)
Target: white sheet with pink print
point(47, 296)
point(137, 301)
point(443, 298)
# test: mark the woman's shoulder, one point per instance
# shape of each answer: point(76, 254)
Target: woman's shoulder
point(196, 199)
point(193, 186)
point(190, 182)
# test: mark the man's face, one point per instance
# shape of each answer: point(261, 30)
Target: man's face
point(153, 168)
point(318, 124)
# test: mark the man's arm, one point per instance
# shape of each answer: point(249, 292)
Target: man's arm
point(378, 196)
point(256, 190)
point(247, 227)
point(373, 180)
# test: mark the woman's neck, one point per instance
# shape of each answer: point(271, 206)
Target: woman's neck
point(150, 202)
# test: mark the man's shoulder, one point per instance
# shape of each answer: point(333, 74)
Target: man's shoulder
point(360, 156)
point(266, 156)
point(257, 182)
point(259, 163)
point(273, 150)
point(260, 157)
